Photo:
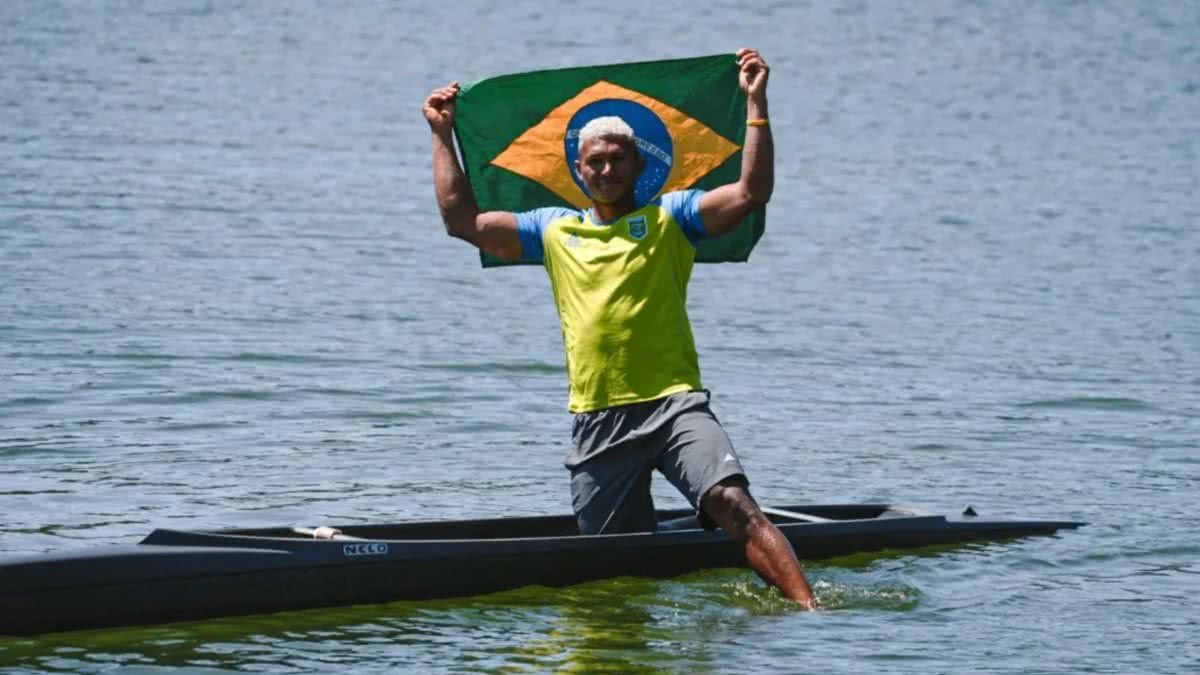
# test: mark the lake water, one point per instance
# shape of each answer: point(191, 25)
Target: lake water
point(227, 300)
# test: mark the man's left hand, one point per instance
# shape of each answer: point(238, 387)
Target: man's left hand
point(754, 73)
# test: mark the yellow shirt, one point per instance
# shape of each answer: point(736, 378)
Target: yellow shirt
point(621, 293)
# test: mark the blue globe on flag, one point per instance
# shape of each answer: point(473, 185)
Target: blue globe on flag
point(651, 136)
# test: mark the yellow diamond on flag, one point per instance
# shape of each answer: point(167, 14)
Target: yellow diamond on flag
point(538, 154)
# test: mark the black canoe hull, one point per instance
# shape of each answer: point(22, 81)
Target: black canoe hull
point(176, 576)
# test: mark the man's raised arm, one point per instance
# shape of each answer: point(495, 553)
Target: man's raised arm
point(721, 209)
point(494, 231)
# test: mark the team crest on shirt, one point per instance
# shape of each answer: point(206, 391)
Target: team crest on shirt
point(637, 227)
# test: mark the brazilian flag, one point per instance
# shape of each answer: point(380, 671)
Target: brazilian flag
point(519, 136)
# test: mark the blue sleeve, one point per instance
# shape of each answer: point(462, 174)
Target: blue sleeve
point(530, 225)
point(684, 207)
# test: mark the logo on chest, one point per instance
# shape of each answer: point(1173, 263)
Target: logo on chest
point(637, 227)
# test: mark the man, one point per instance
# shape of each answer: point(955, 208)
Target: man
point(619, 274)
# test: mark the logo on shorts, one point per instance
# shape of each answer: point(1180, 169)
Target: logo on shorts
point(729, 457)
point(637, 227)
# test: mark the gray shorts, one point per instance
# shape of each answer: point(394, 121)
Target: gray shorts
point(617, 449)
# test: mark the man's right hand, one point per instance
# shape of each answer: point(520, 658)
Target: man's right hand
point(494, 231)
point(439, 108)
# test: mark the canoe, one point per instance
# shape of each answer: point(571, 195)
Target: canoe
point(174, 575)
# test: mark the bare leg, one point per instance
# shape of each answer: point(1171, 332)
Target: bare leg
point(767, 550)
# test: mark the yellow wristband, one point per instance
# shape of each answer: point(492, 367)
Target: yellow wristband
point(761, 122)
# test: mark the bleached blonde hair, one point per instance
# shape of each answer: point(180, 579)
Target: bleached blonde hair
point(609, 126)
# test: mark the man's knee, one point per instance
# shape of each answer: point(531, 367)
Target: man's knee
point(729, 503)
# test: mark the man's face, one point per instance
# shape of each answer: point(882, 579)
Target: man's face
point(609, 167)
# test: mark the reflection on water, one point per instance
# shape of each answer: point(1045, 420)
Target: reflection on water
point(620, 625)
point(601, 627)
